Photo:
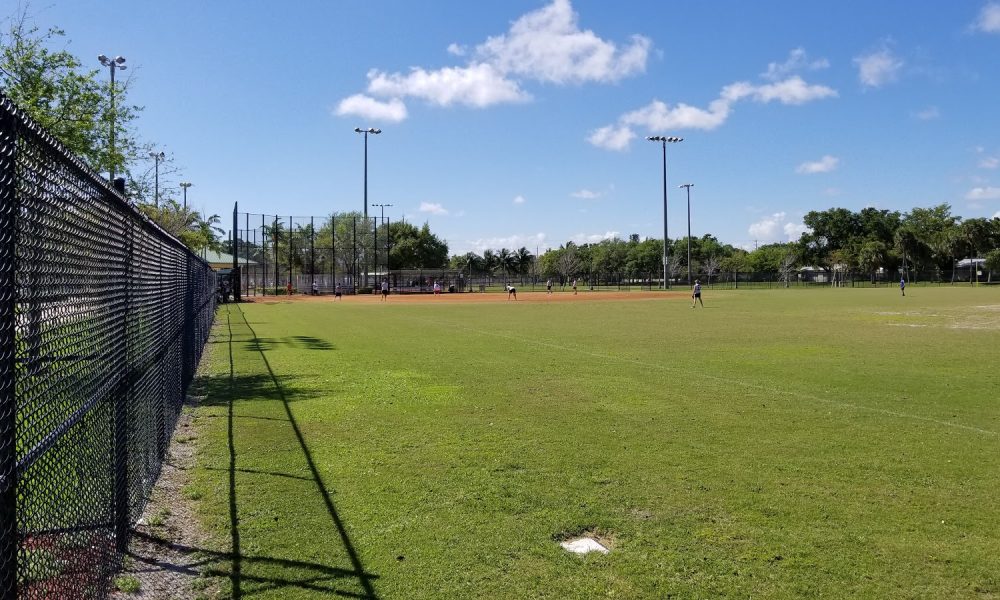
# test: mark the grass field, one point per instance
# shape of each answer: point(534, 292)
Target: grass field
point(784, 443)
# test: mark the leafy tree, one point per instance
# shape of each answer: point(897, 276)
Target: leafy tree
point(609, 257)
point(976, 234)
point(645, 258)
point(992, 263)
point(768, 258)
point(840, 263)
point(871, 256)
point(736, 263)
point(71, 102)
point(832, 229)
point(879, 225)
point(930, 227)
point(568, 264)
point(412, 248)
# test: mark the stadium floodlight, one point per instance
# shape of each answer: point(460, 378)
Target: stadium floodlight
point(186, 185)
point(114, 64)
point(663, 140)
point(157, 156)
point(688, 186)
point(373, 131)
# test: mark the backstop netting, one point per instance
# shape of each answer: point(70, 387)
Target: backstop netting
point(310, 253)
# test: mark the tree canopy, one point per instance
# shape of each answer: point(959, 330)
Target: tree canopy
point(73, 104)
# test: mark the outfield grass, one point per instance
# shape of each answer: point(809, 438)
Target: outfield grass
point(784, 443)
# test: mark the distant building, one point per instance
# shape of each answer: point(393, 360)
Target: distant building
point(966, 262)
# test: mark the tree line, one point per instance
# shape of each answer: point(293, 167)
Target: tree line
point(838, 241)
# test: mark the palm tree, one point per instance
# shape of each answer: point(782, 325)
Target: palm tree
point(490, 262)
point(506, 261)
point(524, 260)
point(186, 225)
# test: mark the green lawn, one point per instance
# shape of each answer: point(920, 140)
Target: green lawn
point(782, 443)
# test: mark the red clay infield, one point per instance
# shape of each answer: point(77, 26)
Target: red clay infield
point(488, 297)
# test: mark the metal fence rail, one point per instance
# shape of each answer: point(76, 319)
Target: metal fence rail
point(103, 318)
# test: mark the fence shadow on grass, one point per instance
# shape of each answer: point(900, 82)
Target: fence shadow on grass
point(212, 563)
point(296, 341)
point(322, 578)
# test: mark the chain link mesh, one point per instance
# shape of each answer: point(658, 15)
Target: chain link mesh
point(311, 253)
point(103, 317)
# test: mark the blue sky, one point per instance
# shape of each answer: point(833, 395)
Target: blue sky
point(523, 123)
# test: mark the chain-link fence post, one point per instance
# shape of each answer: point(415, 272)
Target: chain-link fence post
point(235, 279)
point(8, 409)
point(122, 401)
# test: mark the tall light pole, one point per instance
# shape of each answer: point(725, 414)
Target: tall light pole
point(688, 186)
point(373, 131)
point(186, 185)
point(664, 140)
point(382, 219)
point(114, 64)
point(157, 156)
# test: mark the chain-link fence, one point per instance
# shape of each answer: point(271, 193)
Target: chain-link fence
point(103, 318)
point(309, 254)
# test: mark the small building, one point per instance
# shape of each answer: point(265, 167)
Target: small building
point(221, 260)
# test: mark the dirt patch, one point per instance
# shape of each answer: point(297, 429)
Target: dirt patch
point(535, 297)
point(164, 554)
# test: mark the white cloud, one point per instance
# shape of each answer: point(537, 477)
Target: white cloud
point(931, 112)
point(548, 45)
point(824, 165)
point(989, 19)
point(983, 193)
point(478, 85)
point(367, 107)
point(878, 68)
point(794, 230)
point(432, 207)
point(792, 91)
point(659, 117)
point(797, 60)
point(586, 194)
point(611, 137)
point(544, 45)
point(996, 215)
point(519, 199)
point(511, 242)
point(768, 228)
point(989, 162)
point(594, 238)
